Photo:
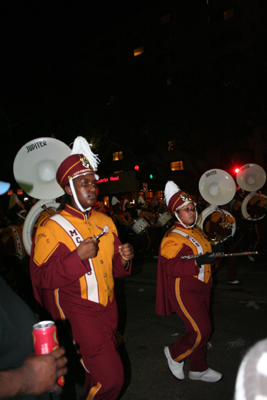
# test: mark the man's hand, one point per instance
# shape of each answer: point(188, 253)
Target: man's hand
point(126, 252)
point(41, 372)
point(88, 248)
point(38, 374)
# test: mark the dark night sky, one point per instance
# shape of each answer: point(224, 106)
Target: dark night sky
point(33, 35)
point(38, 42)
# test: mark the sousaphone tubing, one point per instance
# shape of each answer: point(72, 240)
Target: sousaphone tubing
point(218, 188)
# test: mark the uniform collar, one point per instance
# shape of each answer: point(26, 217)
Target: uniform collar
point(76, 213)
point(177, 225)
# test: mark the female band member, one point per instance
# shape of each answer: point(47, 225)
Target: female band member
point(183, 286)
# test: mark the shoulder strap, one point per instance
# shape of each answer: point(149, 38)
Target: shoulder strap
point(68, 228)
point(90, 276)
point(18, 242)
point(199, 248)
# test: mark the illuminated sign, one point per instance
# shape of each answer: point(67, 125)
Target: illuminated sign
point(114, 178)
point(111, 179)
point(102, 180)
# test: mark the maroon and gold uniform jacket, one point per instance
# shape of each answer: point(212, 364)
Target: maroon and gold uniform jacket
point(176, 243)
point(62, 282)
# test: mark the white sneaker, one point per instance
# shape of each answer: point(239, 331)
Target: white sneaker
point(177, 369)
point(207, 376)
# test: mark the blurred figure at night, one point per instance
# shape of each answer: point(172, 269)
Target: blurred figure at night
point(117, 217)
point(251, 380)
point(251, 232)
point(219, 227)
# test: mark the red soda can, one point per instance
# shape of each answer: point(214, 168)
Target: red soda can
point(45, 340)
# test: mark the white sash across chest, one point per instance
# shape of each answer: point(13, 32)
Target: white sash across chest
point(74, 234)
point(199, 248)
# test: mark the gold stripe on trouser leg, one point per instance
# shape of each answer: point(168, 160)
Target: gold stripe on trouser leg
point(188, 316)
point(93, 391)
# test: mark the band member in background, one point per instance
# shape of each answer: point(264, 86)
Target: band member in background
point(72, 272)
point(257, 206)
point(257, 209)
point(219, 228)
point(250, 231)
point(183, 286)
point(119, 220)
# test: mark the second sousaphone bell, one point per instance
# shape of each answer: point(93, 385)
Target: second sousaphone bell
point(251, 177)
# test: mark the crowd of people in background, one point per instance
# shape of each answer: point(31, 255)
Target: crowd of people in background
point(143, 223)
point(248, 233)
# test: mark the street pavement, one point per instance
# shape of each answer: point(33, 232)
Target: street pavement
point(239, 319)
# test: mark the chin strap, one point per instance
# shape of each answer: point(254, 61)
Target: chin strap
point(76, 198)
point(186, 226)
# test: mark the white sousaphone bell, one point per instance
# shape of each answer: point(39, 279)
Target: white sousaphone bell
point(251, 177)
point(35, 167)
point(218, 188)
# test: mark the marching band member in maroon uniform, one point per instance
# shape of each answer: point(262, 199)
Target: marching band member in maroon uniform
point(183, 286)
point(72, 273)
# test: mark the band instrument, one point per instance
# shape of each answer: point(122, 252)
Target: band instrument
point(244, 253)
point(251, 177)
point(218, 188)
point(35, 167)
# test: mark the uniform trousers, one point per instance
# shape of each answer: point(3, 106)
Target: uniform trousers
point(190, 299)
point(107, 377)
point(97, 345)
point(231, 263)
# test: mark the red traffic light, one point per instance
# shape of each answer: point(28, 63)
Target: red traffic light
point(237, 170)
point(136, 167)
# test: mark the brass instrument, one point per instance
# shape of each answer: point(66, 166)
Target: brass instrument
point(218, 188)
point(35, 167)
point(251, 178)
